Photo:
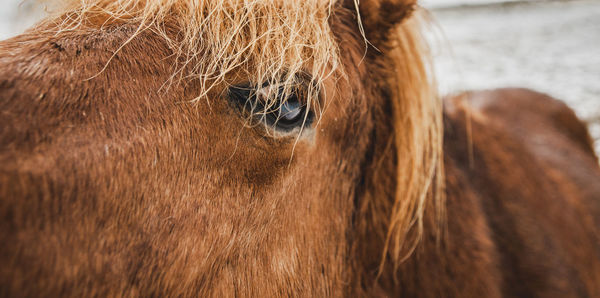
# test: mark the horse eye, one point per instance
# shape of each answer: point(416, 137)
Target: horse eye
point(290, 110)
point(278, 109)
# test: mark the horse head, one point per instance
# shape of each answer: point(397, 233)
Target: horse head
point(189, 148)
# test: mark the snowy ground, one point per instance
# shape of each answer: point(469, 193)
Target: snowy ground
point(550, 46)
point(18, 15)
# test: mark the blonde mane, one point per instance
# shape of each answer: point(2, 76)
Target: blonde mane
point(418, 130)
point(276, 40)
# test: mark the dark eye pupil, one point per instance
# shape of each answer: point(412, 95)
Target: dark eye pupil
point(290, 110)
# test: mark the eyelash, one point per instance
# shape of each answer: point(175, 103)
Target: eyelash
point(284, 114)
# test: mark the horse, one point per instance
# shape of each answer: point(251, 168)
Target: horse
point(266, 148)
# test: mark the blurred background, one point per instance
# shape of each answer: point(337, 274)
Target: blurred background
point(550, 46)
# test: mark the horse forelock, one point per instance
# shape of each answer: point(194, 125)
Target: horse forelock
point(221, 41)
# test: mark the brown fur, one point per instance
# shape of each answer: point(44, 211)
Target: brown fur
point(115, 184)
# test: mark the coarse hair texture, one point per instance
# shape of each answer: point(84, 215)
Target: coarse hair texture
point(284, 41)
point(270, 41)
point(418, 132)
point(418, 183)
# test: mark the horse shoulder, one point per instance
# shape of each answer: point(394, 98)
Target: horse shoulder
point(531, 163)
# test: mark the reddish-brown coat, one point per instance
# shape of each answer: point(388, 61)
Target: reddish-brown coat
point(113, 184)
